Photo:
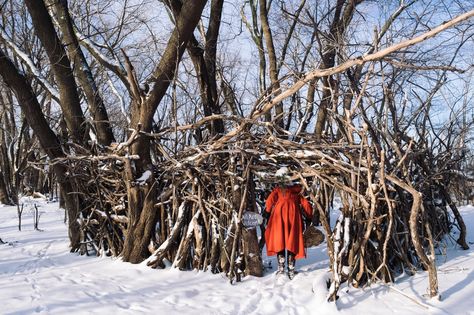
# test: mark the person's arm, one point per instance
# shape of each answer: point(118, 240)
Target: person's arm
point(307, 210)
point(270, 203)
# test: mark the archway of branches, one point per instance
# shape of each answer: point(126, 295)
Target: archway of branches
point(394, 211)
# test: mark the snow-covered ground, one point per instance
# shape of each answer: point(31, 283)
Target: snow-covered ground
point(39, 275)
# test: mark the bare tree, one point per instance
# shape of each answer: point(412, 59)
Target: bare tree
point(141, 199)
point(48, 139)
point(61, 67)
point(168, 191)
point(84, 73)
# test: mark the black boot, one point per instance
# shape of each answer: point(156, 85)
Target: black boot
point(281, 263)
point(291, 265)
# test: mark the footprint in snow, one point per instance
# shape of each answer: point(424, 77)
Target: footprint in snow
point(122, 305)
point(267, 294)
point(139, 308)
point(191, 293)
point(276, 307)
point(41, 309)
point(280, 301)
point(125, 289)
point(96, 297)
point(171, 299)
point(301, 310)
point(73, 281)
point(251, 304)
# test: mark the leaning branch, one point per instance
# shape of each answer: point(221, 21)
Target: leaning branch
point(317, 73)
point(30, 65)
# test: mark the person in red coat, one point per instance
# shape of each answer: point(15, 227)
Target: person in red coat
point(285, 207)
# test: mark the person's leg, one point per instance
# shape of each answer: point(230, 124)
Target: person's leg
point(281, 262)
point(291, 265)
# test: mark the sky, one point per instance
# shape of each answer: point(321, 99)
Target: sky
point(148, 26)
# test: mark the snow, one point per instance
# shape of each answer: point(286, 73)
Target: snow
point(304, 153)
point(120, 98)
point(38, 274)
point(30, 64)
point(145, 176)
point(282, 171)
point(347, 222)
point(93, 136)
point(92, 47)
point(30, 201)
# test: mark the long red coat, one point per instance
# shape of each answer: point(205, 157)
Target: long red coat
point(285, 225)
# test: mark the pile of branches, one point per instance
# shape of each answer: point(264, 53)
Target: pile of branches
point(101, 195)
point(395, 204)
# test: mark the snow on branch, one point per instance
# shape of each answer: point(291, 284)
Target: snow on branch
point(30, 65)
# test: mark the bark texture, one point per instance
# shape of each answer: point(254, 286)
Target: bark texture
point(61, 66)
point(141, 199)
point(84, 74)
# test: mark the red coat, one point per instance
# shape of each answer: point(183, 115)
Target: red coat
point(285, 225)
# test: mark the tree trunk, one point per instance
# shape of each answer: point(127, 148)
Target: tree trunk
point(84, 74)
point(142, 214)
point(4, 199)
point(462, 226)
point(210, 50)
point(252, 254)
point(251, 247)
point(6, 133)
point(204, 61)
point(267, 34)
point(61, 67)
point(207, 86)
point(338, 27)
point(48, 140)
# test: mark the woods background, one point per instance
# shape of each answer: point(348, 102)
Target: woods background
point(158, 123)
